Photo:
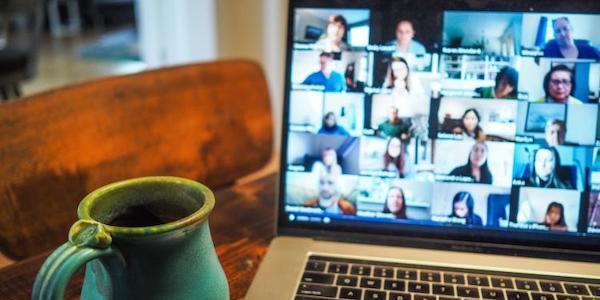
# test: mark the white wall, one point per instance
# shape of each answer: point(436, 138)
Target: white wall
point(176, 32)
point(256, 30)
point(185, 31)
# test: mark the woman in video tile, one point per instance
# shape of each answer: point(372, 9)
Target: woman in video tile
point(330, 126)
point(477, 165)
point(559, 85)
point(333, 40)
point(546, 162)
point(564, 46)
point(328, 164)
point(463, 208)
point(469, 127)
point(398, 78)
point(394, 203)
point(555, 217)
point(506, 87)
point(394, 158)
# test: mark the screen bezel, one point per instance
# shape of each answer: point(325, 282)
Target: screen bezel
point(486, 240)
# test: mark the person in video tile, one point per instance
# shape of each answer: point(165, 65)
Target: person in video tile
point(330, 126)
point(477, 165)
point(564, 46)
point(405, 42)
point(469, 127)
point(394, 126)
point(559, 85)
point(328, 164)
point(394, 203)
point(398, 78)
point(544, 173)
point(506, 87)
point(555, 132)
point(326, 76)
point(329, 199)
point(394, 159)
point(333, 40)
point(463, 208)
point(555, 217)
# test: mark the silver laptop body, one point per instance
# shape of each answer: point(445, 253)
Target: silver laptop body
point(438, 136)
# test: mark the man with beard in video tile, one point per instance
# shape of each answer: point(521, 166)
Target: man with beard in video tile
point(329, 199)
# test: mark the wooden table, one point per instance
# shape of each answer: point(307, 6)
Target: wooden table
point(242, 225)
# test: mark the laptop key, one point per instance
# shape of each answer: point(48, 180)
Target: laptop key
point(310, 277)
point(371, 283)
point(337, 268)
point(315, 265)
point(514, 295)
point(478, 280)
point(499, 282)
point(589, 298)
point(595, 289)
point(442, 289)
point(542, 296)
point(552, 287)
point(374, 295)
point(406, 274)
point(454, 278)
point(577, 289)
point(350, 293)
point(448, 298)
point(528, 285)
point(347, 280)
point(467, 292)
point(360, 270)
point(567, 297)
point(394, 285)
point(383, 272)
point(492, 294)
point(431, 276)
point(317, 290)
point(399, 296)
point(418, 287)
point(424, 297)
point(310, 298)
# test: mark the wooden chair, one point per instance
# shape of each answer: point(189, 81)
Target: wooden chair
point(209, 122)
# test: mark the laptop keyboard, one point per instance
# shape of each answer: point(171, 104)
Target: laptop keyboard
point(340, 278)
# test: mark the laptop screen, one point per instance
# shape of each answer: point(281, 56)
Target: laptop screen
point(463, 121)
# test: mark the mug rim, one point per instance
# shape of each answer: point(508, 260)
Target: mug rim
point(84, 208)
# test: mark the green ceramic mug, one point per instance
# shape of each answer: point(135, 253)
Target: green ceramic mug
point(143, 238)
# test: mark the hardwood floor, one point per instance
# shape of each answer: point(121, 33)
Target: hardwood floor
point(59, 64)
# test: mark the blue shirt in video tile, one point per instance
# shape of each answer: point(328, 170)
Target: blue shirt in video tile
point(334, 83)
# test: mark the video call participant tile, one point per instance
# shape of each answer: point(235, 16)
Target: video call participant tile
point(470, 204)
point(550, 210)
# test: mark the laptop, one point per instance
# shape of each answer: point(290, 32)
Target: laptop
point(438, 150)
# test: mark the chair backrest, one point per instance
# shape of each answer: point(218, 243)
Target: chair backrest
point(209, 122)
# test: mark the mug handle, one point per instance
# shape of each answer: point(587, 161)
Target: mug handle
point(88, 240)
